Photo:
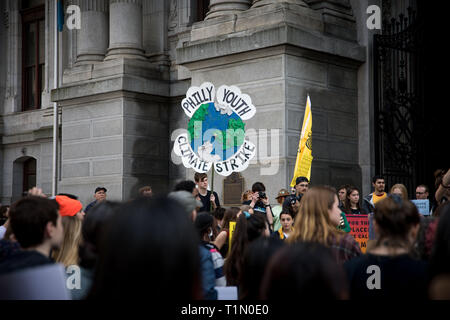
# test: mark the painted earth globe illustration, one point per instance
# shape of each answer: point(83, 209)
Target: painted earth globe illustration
point(215, 132)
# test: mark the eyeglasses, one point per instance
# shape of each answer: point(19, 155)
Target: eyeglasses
point(420, 192)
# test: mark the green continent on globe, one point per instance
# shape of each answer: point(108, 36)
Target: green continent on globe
point(199, 116)
point(235, 133)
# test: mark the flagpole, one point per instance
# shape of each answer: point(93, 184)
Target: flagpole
point(55, 104)
point(212, 185)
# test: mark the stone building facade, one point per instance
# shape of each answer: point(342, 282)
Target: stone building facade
point(124, 72)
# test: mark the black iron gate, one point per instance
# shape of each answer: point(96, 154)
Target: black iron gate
point(400, 118)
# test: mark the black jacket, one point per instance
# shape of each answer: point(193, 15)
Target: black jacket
point(23, 259)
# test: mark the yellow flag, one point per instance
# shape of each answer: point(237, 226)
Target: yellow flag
point(304, 153)
point(231, 231)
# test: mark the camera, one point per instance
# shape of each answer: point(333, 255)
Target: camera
point(262, 195)
point(293, 199)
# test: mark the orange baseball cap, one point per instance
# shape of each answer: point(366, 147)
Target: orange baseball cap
point(67, 206)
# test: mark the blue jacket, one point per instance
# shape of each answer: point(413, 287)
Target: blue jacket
point(90, 206)
point(208, 274)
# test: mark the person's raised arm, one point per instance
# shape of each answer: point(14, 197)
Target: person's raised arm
point(268, 211)
point(220, 239)
point(36, 192)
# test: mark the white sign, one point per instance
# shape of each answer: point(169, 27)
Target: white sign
point(216, 131)
point(423, 205)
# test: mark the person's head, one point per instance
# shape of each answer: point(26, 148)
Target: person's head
point(440, 256)
point(67, 253)
point(352, 198)
point(342, 192)
point(247, 230)
point(301, 185)
point(148, 243)
point(260, 188)
point(438, 176)
point(187, 201)
point(146, 191)
point(282, 194)
point(72, 214)
point(4, 213)
point(396, 221)
point(440, 194)
point(71, 196)
point(422, 192)
point(246, 196)
point(378, 183)
point(91, 231)
point(318, 216)
point(255, 263)
point(69, 207)
point(287, 220)
point(35, 221)
point(219, 213)
point(204, 226)
point(305, 271)
point(230, 215)
point(186, 185)
point(400, 190)
point(201, 179)
point(100, 194)
point(292, 204)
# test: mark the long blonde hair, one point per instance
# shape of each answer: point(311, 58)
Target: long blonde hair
point(312, 223)
point(402, 189)
point(68, 252)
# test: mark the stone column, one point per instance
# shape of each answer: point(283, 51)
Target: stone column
point(93, 36)
point(13, 84)
point(125, 29)
point(260, 3)
point(219, 8)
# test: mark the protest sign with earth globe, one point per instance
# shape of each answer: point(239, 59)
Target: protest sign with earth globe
point(216, 130)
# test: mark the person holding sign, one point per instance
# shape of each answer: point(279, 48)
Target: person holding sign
point(388, 271)
point(423, 204)
point(422, 192)
point(209, 199)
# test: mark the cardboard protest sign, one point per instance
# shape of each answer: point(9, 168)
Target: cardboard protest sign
point(359, 224)
point(215, 134)
point(423, 206)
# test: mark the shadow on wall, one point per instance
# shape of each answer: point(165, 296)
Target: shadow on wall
point(149, 159)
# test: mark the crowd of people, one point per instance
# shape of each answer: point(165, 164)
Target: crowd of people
point(185, 245)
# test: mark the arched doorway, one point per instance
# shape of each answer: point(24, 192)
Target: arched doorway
point(24, 176)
